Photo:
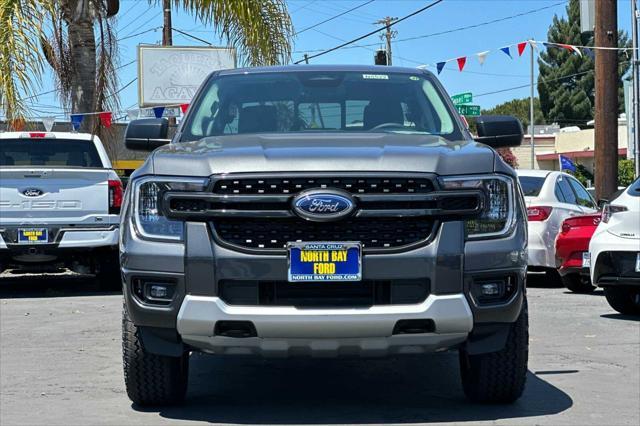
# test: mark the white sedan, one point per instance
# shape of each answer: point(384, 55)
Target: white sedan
point(615, 252)
point(551, 197)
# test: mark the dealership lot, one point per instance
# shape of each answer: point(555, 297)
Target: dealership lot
point(60, 364)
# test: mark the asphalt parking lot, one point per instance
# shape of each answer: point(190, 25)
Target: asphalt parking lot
point(60, 364)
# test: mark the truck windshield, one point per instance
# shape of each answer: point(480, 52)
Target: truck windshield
point(48, 152)
point(309, 101)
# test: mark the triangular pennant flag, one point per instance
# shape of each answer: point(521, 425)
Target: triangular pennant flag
point(133, 114)
point(589, 53)
point(521, 47)
point(158, 111)
point(461, 61)
point(105, 119)
point(184, 107)
point(76, 121)
point(506, 51)
point(48, 123)
point(570, 48)
point(534, 44)
point(482, 56)
point(440, 66)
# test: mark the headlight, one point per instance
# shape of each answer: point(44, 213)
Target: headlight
point(497, 217)
point(147, 214)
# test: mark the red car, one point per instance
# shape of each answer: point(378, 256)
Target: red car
point(572, 251)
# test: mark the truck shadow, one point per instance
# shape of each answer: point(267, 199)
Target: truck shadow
point(399, 390)
point(43, 286)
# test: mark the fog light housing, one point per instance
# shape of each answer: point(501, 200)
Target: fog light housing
point(153, 291)
point(490, 289)
point(493, 290)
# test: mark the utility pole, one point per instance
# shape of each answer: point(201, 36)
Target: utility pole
point(389, 34)
point(606, 117)
point(636, 88)
point(167, 37)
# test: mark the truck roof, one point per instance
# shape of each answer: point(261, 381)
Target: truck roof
point(40, 134)
point(315, 68)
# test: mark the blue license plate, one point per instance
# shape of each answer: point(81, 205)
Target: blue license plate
point(324, 262)
point(33, 236)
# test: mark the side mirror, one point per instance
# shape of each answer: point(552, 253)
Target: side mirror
point(602, 202)
point(146, 134)
point(499, 131)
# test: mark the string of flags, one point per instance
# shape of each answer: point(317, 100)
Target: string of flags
point(520, 48)
point(106, 117)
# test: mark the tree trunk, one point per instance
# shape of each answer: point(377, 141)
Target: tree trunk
point(83, 55)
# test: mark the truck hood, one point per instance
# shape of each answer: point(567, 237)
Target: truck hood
point(387, 152)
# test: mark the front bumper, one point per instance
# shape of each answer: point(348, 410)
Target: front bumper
point(288, 331)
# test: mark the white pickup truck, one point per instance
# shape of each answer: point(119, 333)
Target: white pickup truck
point(59, 206)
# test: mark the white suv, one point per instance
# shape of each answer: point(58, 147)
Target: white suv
point(615, 252)
point(59, 205)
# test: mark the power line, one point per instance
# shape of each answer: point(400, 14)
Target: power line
point(140, 33)
point(144, 12)
point(184, 33)
point(430, 5)
point(334, 17)
point(480, 24)
point(468, 27)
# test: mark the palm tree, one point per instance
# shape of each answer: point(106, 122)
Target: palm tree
point(85, 65)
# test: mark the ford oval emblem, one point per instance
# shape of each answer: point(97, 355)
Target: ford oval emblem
point(32, 192)
point(323, 205)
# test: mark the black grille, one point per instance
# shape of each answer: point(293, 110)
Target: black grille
point(354, 185)
point(332, 294)
point(273, 233)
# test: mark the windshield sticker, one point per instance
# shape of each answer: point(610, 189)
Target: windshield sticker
point(414, 78)
point(375, 76)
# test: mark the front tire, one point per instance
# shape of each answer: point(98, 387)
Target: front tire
point(499, 377)
point(624, 299)
point(151, 379)
point(577, 284)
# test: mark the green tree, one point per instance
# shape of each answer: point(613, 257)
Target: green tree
point(80, 45)
point(626, 172)
point(518, 108)
point(566, 79)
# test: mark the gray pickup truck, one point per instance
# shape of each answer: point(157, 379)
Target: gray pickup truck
point(324, 211)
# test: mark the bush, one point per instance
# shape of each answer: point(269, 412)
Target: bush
point(508, 157)
point(625, 172)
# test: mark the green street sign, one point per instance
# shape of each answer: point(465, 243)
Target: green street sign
point(469, 110)
point(462, 98)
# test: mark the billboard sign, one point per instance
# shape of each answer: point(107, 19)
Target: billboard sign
point(170, 75)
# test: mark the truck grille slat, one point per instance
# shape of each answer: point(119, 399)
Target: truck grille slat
point(354, 185)
point(394, 212)
point(272, 233)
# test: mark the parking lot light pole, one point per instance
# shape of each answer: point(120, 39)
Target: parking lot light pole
point(531, 123)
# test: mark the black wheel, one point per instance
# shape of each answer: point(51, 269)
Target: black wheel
point(499, 377)
point(151, 379)
point(625, 300)
point(577, 283)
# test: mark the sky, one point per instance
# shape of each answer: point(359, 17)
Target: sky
point(432, 33)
